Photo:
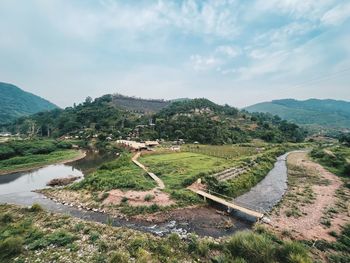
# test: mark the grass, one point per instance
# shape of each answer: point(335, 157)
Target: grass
point(46, 237)
point(336, 159)
point(224, 151)
point(118, 174)
point(263, 164)
point(178, 170)
point(35, 160)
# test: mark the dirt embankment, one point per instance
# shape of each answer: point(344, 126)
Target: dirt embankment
point(315, 204)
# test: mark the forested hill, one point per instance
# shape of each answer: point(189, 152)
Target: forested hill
point(139, 104)
point(192, 120)
point(206, 122)
point(313, 112)
point(15, 103)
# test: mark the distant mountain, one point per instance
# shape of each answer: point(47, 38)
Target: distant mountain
point(15, 103)
point(313, 112)
point(139, 105)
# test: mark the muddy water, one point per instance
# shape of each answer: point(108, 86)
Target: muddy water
point(206, 221)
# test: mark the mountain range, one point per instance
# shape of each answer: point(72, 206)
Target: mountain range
point(312, 112)
point(15, 103)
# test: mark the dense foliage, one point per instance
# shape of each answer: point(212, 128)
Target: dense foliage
point(192, 120)
point(15, 103)
point(208, 123)
point(327, 113)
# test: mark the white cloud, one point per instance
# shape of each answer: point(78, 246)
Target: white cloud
point(201, 63)
point(230, 51)
point(337, 15)
point(307, 9)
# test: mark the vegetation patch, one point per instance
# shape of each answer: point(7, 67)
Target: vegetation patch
point(59, 238)
point(242, 183)
point(36, 160)
point(119, 174)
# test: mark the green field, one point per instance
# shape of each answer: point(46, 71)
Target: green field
point(178, 170)
point(35, 160)
point(224, 151)
point(118, 174)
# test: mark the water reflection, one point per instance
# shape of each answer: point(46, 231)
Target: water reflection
point(38, 178)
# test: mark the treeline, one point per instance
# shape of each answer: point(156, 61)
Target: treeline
point(90, 117)
point(192, 120)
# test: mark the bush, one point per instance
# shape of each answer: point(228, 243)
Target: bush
point(6, 218)
point(293, 252)
point(149, 197)
point(11, 247)
point(36, 208)
point(59, 238)
point(252, 247)
point(6, 152)
point(119, 257)
point(94, 236)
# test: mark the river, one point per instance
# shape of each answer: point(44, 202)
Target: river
point(16, 188)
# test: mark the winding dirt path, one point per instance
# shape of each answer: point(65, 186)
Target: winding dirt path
point(322, 186)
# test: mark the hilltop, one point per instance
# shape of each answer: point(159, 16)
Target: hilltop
point(139, 104)
point(313, 112)
point(15, 102)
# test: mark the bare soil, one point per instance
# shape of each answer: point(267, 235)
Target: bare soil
point(137, 198)
point(320, 188)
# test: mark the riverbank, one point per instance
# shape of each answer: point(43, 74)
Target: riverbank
point(34, 235)
point(316, 205)
point(38, 161)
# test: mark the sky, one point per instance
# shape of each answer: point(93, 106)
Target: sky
point(230, 51)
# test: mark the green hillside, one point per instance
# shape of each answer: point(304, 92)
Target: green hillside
point(15, 103)
point(192, 120)
point(313, 112)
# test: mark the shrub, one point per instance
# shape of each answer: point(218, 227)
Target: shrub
point(149, 197)
point(11, 247)
point(252, 247)
point(59, 238)
point(293, 252)
point(94, 236)
point(119, 257)
point(6, 218)
point(36, 208)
